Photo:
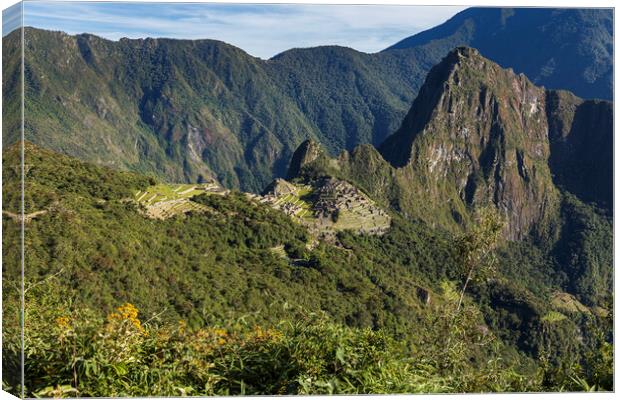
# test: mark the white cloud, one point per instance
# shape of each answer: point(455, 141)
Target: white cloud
point(261, 30)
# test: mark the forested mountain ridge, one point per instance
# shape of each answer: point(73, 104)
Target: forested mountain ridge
point(480, 135)
point(189, 110)
point(100, 269)
point(573, 47)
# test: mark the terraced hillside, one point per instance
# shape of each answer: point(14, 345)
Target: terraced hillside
point(292, 199)
point(166, 200)
point(327, 206)
point(324, 207)
point(341, 206)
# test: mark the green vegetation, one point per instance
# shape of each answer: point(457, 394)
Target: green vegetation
point(358, 316)
point(187, 110)
point(553, 316)
point(74, 351)
point(138, 287)
point(585, 251)
point(476, 248)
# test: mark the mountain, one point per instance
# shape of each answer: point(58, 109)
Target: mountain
point(235, 277)
point(192, 110)
point(480, 135)
point(566, 48)
point(493, 136)
point(195, 110)
point(148, 273)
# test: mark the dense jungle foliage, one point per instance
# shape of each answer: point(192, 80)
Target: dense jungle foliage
point(120, 304)
point(496, 273)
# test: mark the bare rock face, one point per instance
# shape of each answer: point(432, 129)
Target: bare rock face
point(479, 133)
point(307, 153)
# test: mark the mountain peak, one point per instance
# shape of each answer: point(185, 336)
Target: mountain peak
point(582, 64)
point(466, 59)
point(463, 78)
point(306, 153)
point(480, 130)
point(464, 52)
point(460, 58)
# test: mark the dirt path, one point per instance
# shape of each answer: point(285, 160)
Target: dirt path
point(27, 218)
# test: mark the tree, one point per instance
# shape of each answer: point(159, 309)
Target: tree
point(475, 248)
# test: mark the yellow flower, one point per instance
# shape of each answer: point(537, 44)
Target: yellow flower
point(62, 322)
point(261, 334)
point(182, 326)
point(220, 332)
point(274, 333)
point(127, 312)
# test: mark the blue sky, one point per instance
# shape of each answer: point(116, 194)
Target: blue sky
point(11, 18)
point(261, 30)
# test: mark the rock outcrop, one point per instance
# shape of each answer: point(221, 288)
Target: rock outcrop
point(476, 135)
point(307, 153)
point(481, 134)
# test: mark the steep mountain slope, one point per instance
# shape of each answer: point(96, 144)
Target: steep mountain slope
point(195, 110)
point(352, 97)
point(11, 89)
point(581, 138)
point(238, 258)
point(187, 110)
point(481, 135)
point(559, 48)
point(478, 133)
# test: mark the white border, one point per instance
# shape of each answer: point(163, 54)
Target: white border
point(495, 3)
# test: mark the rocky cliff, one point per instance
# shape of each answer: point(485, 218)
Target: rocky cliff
point(478, 134)
point(581, 140)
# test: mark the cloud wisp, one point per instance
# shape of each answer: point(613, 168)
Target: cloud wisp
point(11, 18)
point(260, 30)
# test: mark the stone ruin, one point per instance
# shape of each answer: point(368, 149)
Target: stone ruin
point(280, 187)
point(333, 196)
point(330, 199)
